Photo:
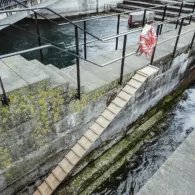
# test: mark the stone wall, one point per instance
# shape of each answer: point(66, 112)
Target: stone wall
point(42, 124)
point(13, 17)
point(172, 78)
point(76, 7)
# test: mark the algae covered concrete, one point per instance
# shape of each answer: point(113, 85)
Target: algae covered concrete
point(173, 81)
point(92, 176)
point(40, 125)
point(43, 123)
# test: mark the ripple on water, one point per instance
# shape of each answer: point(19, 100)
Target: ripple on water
point(169, 135)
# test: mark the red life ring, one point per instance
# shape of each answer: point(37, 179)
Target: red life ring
point(148, 40)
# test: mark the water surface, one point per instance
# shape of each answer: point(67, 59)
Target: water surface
point(13, 39)
point(169, 134)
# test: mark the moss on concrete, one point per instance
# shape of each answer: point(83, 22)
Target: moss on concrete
point(40, 103)
point(115, 154)
point(86, 99)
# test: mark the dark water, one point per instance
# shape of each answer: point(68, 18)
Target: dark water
point(169, 135)
point(13, 39)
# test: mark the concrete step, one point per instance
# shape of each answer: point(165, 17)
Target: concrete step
point(157, 11)
point(70, 73)
point(25, 70)
point(88, 79)
point(11, 80)
point(174, 8)
point(55, 78)
point(67, 78)
point(157, 17)
point(170, 2)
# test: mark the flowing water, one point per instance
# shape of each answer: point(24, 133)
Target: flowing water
point(13, 39)
point(169, 134)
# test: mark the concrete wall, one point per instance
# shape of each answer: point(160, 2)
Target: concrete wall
point(76, 7)
point(173, 76)
point(38, 128)
point(13, 17)
point(42, 124)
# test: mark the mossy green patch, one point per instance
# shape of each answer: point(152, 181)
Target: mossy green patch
point(5, 159)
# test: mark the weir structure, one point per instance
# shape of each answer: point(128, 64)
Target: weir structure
point(131, 77)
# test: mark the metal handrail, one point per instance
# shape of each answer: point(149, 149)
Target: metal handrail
point(99, 17)
point(50, 45)
point(107, 37)
point(101, 39)
point(5, 100)
point(121, 58)
point(73, 23)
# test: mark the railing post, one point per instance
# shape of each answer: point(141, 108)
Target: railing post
point(192, 42)
point(190, 20)
point(160, 29)
point(157, 33)
point(180, 11)
point(164, 13)
point(5, 100)
point(193, 8)
point(178, 36)
point(163, 18)
point(38, 34)
point(144, 18)
point(85, 40)
point(77, 63)
point(123, 60)
point(118, 28)
point(176, 24)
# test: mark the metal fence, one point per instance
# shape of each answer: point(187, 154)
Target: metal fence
point(179, 21)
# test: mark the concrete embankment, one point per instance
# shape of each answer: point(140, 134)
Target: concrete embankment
point(44, 121)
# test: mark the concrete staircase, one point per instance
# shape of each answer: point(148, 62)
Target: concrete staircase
point(172, 10)
point(13, 17)
point(64, 168)
point(17, 72)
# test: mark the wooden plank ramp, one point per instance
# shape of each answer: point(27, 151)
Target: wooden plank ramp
point(67, 164)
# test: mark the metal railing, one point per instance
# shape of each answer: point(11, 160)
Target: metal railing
point(4, 99)
point(85, 20)
point(77, 55)
point(124, 55)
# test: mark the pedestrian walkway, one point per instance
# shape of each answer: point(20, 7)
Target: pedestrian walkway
point(177, 175)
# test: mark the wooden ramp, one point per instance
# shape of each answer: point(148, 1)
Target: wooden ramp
point(94, 132)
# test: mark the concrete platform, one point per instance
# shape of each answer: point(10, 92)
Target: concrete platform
point(177, 175)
